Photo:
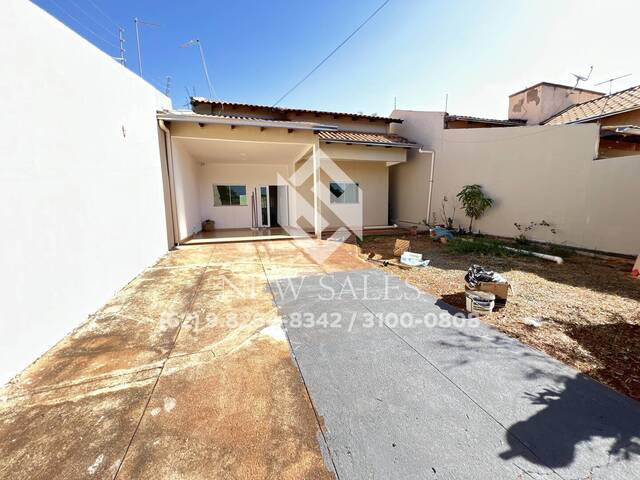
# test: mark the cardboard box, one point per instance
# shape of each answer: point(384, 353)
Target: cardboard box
point(500, 290)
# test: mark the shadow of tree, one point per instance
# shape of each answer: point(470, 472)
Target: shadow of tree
point(616, 350)
point(579, 412)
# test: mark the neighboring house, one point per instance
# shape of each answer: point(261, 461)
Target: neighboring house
point(537, 103)
point(617, 114)
point(249, 166)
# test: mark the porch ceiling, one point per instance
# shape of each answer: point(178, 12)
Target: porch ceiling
point(237, 151)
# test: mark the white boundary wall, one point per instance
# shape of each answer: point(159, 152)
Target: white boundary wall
point(81, 188)
point(533, 174)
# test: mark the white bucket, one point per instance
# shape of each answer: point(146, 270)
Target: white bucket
point(480, 303)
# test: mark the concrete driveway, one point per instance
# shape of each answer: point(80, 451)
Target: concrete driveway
point(187, 373)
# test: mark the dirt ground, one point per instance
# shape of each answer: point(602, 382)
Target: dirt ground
point(589, 307)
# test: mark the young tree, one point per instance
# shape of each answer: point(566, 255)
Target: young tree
point(474, 202)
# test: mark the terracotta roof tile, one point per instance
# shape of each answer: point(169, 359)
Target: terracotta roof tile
point(201, 100)
point(605, 106)
point(383, 139)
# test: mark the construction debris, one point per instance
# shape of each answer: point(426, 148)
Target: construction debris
point(532, 321)
point(413, 259)
point(401, 246)
point(439, 233)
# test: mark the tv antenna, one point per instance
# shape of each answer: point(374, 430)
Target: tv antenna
point(137, 22)
point(611, 80)
point(193, 43)
point(582, 78)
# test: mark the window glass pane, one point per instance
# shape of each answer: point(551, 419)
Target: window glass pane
point(225, 195)
point(337, 191)
point(238, 194)
point(220, 195)
point(351, 193)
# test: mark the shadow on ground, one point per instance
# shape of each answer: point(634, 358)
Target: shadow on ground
point(566, 407)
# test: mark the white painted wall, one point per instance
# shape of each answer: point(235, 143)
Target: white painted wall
point(81, 193)
point(186, 171)
point(238, 174)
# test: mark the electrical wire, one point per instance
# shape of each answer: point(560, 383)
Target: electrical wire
point(104, 15)
point(332, 52)
point(75, 19)
point(109, 30)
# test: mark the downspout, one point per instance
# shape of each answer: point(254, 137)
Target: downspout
point(169, 161)
point(433, 162)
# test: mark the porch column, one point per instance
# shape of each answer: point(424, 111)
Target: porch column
point(317, 227)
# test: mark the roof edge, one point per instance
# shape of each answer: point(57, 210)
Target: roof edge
point(222, 103)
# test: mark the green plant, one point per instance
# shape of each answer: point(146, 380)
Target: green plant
point(478, 247)
point(474, 202)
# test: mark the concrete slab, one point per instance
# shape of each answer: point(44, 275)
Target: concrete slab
point(379, 382)
point(240, 415)
point(76, 432)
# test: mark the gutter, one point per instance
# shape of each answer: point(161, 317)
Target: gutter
point(433, 163)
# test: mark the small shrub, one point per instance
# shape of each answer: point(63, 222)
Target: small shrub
point(474, 202)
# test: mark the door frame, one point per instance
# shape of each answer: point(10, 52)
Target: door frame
point(259, 194)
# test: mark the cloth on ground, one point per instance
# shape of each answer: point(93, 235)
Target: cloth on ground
point(477, 274)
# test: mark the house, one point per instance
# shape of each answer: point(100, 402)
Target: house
point(247, 166)
point(617, 114)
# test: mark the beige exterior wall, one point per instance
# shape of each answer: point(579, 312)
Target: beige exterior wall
point(373, 206)
point(540, 102)
point(409, 197)
point(536, 173)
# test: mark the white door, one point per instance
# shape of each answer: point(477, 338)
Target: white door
point(263, 209)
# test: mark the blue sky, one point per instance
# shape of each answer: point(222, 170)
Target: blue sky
point(477, 52)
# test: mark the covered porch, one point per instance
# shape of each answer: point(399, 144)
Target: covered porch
point(251, 179)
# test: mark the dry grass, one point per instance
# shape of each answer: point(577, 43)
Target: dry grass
point(590, 307)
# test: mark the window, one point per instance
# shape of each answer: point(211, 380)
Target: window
point(228, 195)
point(344, 192)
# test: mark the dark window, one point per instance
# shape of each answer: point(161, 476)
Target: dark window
point(229, 195)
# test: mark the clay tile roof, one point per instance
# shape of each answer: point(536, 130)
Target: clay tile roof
point(222, 103)
point(382, 139)
point(493, 121)
point(605, 106)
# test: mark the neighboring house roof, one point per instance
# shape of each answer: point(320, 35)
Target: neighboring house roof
point(366, 138)
point(606, 106)
point(189, 116)
point(492, 121)
point(222, 104)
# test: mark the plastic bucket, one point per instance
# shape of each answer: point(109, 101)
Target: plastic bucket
point(480, 303)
